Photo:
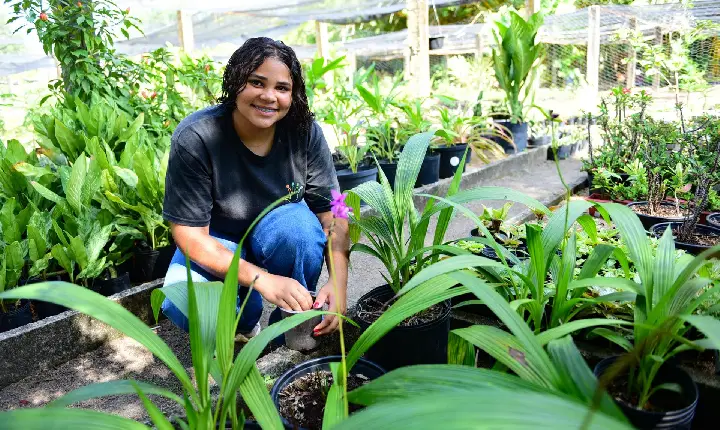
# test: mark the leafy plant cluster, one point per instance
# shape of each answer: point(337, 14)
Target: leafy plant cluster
point(642, 158)
point(372, 118)
point(540, 300)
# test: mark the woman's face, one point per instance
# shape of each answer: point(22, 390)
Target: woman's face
point(267, 96)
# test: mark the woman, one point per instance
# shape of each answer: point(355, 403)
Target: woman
point(228, 163)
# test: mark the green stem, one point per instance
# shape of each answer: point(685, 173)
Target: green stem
point(340, 320)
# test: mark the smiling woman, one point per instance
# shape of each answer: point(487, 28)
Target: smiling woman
point(230, 161)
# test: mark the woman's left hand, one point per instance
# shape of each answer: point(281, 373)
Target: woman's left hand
point(326, 294)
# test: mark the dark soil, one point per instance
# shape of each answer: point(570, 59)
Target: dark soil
point(700, 239)
point(372, 309)
point(664, 211)
point(661, 401)
point(302, 402)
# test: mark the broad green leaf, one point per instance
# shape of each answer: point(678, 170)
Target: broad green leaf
point(61, 418)
point(572, 365)
point(132, 129)
point(127, 176)
point(570, 327)
point(596, 260)
point(707, 325)
point(413, 381)
point(74, 189)
point(491, 407)
point(68, 141)
point(448, 265)
point(335, 411)
point(255, 394)
point(613, 337)
point(50, 195)
point(112, 388)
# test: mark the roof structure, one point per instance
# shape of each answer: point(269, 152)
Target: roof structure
point(226, 23)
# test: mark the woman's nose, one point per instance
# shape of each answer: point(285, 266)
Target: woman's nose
point(268, 95)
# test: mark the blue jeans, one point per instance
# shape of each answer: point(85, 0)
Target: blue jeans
point(289, 241)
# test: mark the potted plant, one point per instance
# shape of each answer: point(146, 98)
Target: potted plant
point(454, 134)
point(668, 289)
point(704, 159)
point(341, 116)
point(13, 313)
point(416, 123)
point(655, 140)
point(514, 61)
point(384, 146)
point(380, 127)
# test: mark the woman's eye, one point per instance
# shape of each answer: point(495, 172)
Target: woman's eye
point(255, 83)
point(282, 88)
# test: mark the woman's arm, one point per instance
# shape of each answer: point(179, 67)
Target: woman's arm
point(340, 258)
point(212, 256)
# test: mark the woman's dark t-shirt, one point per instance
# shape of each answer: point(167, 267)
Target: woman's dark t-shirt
point(214, 179)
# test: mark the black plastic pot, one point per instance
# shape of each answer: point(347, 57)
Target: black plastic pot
point(563, 152)
point(405, 346)
point(437, 42)
point(713, 220)
point(649, 220)
point(165, 255)
point(680, 418)
point(573, 148)
point(540, 141)
point(429, 171)
point(147, 264)
point(15, 316)
point(450, 157)
point(520, 136)
point(390, 170)
point(349, 180)
point(362, 367)
point(108, 287)
point(45, 309)
point(658, 229)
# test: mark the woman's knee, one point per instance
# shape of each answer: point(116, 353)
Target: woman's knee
point(291, 229)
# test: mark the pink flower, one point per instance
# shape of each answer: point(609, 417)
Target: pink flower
point(626, 91)
point(337, 206)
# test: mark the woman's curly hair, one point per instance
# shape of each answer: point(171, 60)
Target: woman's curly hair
point(247, 59)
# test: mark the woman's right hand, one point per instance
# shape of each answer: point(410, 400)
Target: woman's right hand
point(284, 292)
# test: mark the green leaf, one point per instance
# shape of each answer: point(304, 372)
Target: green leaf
point(255, 394)
point(707, 325)
point(573, 326)
point(157, 417)
point(613, 337)
point(42, 418)
point(67, 140)
point(127, 176)
point(491, 407)
point(112, 388)
point(414, 381)
point(73, 191)
point(47, 193)
point(107, 311)
point(132, 129)
point(583, 383)
point(334, 403)
point(448, 265)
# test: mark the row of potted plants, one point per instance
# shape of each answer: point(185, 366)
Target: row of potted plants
point(540, 300)
point(85, 206)
point(666, 171)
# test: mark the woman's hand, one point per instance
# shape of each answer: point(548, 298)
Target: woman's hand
point(284, 292)
point(326, 294)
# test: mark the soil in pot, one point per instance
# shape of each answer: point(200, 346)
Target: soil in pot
point(667, 212)
point(302, 402)
point(300, 393)
point(450, 157)
point(420, 339)
point(17, 314)
point(703, 238)
point(665, 409)
point(429, 170)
